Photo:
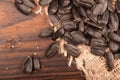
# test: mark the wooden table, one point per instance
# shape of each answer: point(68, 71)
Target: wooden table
point(14, 24)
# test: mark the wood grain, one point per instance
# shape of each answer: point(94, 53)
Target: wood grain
point(27, 28)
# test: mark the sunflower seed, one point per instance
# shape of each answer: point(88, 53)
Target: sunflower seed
point(81, 26)
point(36, 62)
point(52, 50)
point(59, 33)
point(96, 33)
point(70, 26)
point(93, 24)
point(72, 50)
point(29, 3)
point(67, 37)
point(88, 1)
point(98, 52)
point(109, 59)
point(75, 13)
point(103, 19)
point(113, 22)
point(54, 19)
point(23, 8)
point(46, 33)
point(113, 36)
point(53, 7)
point(118, 6)
point(19, 1)
point(65, 2)
point(98, 43)
point(27, 65)
point(78, 37)
point(82, 12)
point(111, 5)
point(66, 17)
point(113, 46)
point(44, 2)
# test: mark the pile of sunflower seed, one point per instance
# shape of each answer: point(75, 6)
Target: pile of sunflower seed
point(31, 63)
point(90, 22)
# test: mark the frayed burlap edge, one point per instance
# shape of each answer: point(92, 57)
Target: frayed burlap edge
point(95, 67)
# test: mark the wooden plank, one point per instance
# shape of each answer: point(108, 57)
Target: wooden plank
point(27, 29)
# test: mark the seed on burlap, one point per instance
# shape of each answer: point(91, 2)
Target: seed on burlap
point(109, 59)
point(72, 50)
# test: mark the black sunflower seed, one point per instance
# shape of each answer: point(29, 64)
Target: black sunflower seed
point(19, 1)
point(54, 19)
point(118, 6)
point(23, 8)
point(78, 37)
point(113, 22)
point(27, 65)
point(66, 17)
point(68, 8)
point(104, 6)
point(91, 16)
point(72, 50)
point(113, 46)
point(111, 5)
point(52, 50)
point(88, 1)
point(98, 52)
point(82, 11)
point(36, 63)
point(100, 8)
point(85, 4)
point(105, 30)
point(75, 13)
point(97, 9)
point(65, 2)
point(76, 2)
point(109, 59)
point(59, 33)
point(29, 3)
point(70, 26)
point(44, 2)
point(93, 24)
point(113, 36)
point(67, 37)
point(98, 42)
point(103, 19)
point(46, 33)
point(96, 33)
point(53, 7)
point(81, 26)
point(60, 9)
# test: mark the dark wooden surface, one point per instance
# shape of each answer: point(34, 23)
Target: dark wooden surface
point(27, 28)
